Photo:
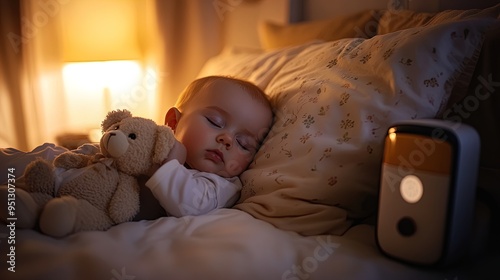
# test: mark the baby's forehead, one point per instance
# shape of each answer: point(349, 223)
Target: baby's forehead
point(237, 101)
point(256, 94)
point(235, 94)
point(224, 84)
point(223, 90)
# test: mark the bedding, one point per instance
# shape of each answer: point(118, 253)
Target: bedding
point(273, 35)
point(398, 20)
point(223, 245)
point(334, 102)
point(309, 198)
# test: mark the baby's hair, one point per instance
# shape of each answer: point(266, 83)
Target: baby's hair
point(191, 91)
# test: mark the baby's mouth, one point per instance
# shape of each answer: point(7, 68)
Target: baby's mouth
point(215, 156)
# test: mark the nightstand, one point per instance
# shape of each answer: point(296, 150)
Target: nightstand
point(72, 140)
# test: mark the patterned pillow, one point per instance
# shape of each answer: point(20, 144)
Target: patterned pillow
point(392, 21)
point(318, 170)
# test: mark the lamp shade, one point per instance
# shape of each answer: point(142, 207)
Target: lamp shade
point(94, 30)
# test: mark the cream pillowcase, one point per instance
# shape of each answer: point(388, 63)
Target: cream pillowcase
point(318, 169)
point(253, 65)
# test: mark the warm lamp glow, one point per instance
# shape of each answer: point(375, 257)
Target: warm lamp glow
point(94, 30)
point(102, 45)
point(94, 88)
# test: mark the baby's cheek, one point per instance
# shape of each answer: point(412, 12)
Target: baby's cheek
point(234, 167)
point(237, 166)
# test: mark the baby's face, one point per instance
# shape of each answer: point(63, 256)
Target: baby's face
point(222, 129)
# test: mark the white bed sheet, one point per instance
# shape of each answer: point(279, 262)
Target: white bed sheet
point(225, 244)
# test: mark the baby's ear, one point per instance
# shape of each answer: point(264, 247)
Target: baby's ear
point(172, 117)
point(165, 140)
point(114, 117)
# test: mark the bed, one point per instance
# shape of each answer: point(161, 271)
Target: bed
point(309, 202)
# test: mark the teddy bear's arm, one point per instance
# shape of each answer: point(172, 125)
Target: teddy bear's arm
point(88, 149)
point(71, 159)
point(124, 204)
point(78, 158)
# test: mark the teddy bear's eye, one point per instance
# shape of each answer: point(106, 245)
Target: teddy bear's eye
point(132, 136)
point(116, 127)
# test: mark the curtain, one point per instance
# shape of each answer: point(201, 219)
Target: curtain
point(43, 96)
point(31, 85)
point(178, 37)
point(10, 66)
point(190, 33)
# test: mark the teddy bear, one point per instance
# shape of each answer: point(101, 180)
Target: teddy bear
point(96, 186)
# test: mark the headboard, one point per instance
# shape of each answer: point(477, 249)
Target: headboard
point(241, 17)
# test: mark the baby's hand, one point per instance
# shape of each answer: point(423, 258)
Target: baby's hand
point(178, 152)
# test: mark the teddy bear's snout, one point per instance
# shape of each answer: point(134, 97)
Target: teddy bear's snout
point(115, 143)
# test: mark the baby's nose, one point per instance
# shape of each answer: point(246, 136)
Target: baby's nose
point(225, 139)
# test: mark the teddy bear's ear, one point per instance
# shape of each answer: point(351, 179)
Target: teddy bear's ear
point(165, 140)
point(114, 117)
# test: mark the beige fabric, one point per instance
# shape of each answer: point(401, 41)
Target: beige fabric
point(480, 109)
point(392, 21)
point(188, 37)
point(318, 169)
point(362, 24)
point(259, 67)
point(32, 85)
point(10, 92)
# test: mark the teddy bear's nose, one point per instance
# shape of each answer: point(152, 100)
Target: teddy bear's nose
point(115, 143)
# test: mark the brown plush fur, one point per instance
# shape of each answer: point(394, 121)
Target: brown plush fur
point(106, 192)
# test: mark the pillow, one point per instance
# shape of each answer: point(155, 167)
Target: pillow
point(479, 108)
point(318, 169)
point(362, 24)
point(250, 64)
point(391, 21)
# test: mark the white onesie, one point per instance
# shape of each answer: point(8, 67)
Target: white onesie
point(183, 191)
